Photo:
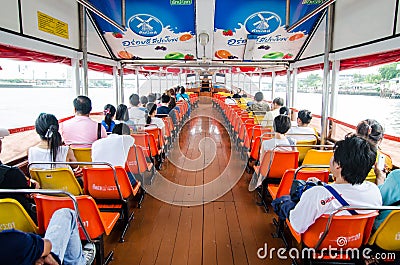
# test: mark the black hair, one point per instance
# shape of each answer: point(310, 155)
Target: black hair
point(151, 108)
point(134, 100)
point(371, 130)
point(83, 105)
point(305, 116)
point(165, 98)
point(121, 129)
point(46, 126)
point(172, 103)
point(259, 96)
point(183, 90)
point(278, 101)
point(122, 113)
point(282, 124)
point(284, 110)
point(356, 156)
point(109, 112)
point(152, 98)
point(171, 92)
point(143, 100)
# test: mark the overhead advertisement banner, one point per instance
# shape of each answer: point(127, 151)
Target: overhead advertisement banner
point(156, 29)
point(255, 30)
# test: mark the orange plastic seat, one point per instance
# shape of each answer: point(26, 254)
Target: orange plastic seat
point(96, 223)
point(111, 189)
point(137, 164)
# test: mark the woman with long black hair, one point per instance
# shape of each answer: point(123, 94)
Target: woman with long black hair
point(108, 123)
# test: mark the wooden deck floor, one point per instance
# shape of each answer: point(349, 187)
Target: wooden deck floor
point(228, 230)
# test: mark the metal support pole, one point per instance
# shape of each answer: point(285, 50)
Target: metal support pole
point(231, 78)
point(76, 81)
point(288, 88)
point(273, 76)
point(151, 83)
point(137, 81)
point(334, 87)
point(325, 84)
point(259, 82)
point(251, 81)
point(159, 80)
point(84, 49)
point(294, 88)
point(116, 84)
point(120, 99)
point(244, 82)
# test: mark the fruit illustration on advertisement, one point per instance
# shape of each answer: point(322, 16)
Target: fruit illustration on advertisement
point(118, 35)
point(273, 55)
point(227, 32)
point(287, 56)
point(174, 56)
point(185, 37)
point(189, 57)
point(222, 54)
point(296, 36)
point(125, 55)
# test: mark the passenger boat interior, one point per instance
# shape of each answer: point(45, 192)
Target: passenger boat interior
point(197, 199)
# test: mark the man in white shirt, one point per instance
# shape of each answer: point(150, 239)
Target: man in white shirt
point(352, 160)
point(269, 117)
point(135, 111)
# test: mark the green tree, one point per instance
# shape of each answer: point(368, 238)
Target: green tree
point(358, 78)
point(388, 71)
point(373, 78)
point(312, 81)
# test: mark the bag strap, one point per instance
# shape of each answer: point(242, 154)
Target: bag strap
point(339, 198)
point(395, 203)
point(99, 131)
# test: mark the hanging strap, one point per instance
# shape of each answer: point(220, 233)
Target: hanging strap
point(99, 131)
point(339, 198)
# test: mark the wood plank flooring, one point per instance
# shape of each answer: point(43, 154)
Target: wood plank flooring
point(228, 230)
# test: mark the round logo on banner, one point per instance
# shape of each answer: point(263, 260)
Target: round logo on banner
point(145, 25)
point(262, 23)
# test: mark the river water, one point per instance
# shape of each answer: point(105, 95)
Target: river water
point(20, 106)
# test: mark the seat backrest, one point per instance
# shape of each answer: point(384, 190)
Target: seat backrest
point(387, 236)
point(141, 139)
point(304, 149)
point(99, 183)
point(82, 154)
point(318, 157)
point(288, 176)
point(345, 231)
point(158, 137)
point(89, 213)
point(14, 216)
point(275, 163)
point(136, 161)
point(57, 179)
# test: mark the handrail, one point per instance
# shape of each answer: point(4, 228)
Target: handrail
point(308, 166)
point(345, 208)
point(82, 163)
point(53, 192)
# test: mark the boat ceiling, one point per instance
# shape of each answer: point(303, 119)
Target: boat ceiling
point(223, 35)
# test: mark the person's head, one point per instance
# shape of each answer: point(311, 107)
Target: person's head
point(183, 90)
point(109, 112)
point(371, 130)
point(171, 92)
point(46, 126)
point(82, 105)
point(122, 113)
point(151, 98)
point(3, 133)
point(281, 124)
point(151, 112)
point(134, 100)
point(304, 117)
point(277, 103)
point(121, 129)
point(143, 101)
point(172, 103)
point(285, 111)
point(259, 96)
point(353, 158)
point(165, 99)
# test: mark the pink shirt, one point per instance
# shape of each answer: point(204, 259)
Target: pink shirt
point(80, 129)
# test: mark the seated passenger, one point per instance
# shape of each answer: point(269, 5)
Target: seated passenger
point(259, 107)
point(115, 148)
point(143, 102)
point(172, 106)
point(237, 94)
point(151, 99)
point(122, 115)
point(59, 246)
point(285, 111)
point(151, 118)
point(183, 96)
point(50, 148)
point(230, 101)
point(281, 126)
point(135, 112)
point(164, 109)
point(268, 119)
point(81, 129)
point(108, 123)
point(13, 178)
point(353, 158)
point(371, 130)
point(390, 192)
point(303, 120)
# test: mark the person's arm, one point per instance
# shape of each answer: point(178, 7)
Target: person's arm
point(47, 247)
point(75, 167)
